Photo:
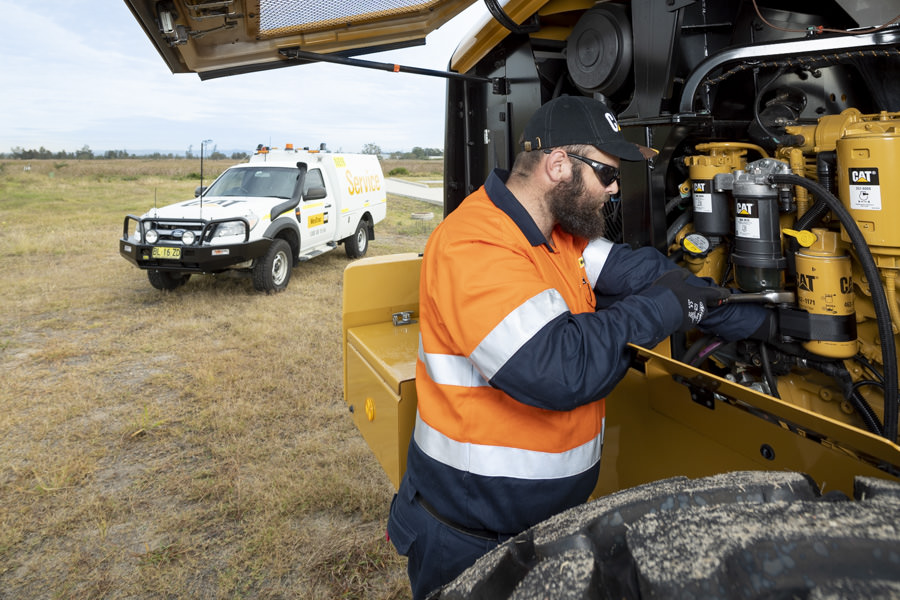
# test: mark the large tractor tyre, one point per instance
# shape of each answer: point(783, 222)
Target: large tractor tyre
point(357, 244)
point(272, 272)
point(737, 535)
point(167, 280)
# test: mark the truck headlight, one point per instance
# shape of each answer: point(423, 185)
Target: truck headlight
point(151, 236)
point(187, 238)
point(229, 229)
point(235, 227)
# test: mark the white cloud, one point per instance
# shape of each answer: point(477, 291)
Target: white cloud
point(75, 74)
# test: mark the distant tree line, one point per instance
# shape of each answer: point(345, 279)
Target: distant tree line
point(415, 153)
point(85, 153)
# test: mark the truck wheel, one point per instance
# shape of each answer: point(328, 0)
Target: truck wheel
point(357, 244)
point(737, 535)
point(272, 272)
point(167, 280)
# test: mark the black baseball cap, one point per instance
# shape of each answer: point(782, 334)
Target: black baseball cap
point(579, 120)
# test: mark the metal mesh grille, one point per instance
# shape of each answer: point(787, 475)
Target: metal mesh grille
point(286, 17)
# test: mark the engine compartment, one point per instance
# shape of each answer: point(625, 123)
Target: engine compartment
point(743, 224)
point(778, 130)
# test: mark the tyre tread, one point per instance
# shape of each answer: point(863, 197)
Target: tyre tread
point(262, 270)
point(654, 540)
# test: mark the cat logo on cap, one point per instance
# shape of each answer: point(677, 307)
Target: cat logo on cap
point(612, 122)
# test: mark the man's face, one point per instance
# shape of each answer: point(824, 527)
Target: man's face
point(577, 204)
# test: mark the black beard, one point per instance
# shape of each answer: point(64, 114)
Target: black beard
point(575, 211)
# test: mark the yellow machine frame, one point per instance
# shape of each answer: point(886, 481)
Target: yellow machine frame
point(664, 419)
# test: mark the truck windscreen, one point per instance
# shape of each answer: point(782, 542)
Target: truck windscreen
point(272, 182)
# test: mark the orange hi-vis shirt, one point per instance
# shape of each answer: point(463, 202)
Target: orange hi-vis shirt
point(514, 360)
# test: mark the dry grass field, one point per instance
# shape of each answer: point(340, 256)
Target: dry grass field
point(190, 444)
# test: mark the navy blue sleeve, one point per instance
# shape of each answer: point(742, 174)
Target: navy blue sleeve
point(628, 271)
point(579, 358)
point(576, 359)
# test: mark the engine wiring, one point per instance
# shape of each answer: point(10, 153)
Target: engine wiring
point(820, 28)
point(803, 63)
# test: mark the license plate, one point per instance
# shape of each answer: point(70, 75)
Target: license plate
point(166, 252)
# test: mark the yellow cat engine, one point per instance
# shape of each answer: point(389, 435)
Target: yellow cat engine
point(869, 176)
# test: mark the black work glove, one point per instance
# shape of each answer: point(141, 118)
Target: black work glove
point(694, 300)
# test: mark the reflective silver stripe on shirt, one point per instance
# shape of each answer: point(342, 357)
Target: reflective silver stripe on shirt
point(515, 330)
point(595, 255)
point(448, 369)
point(501, 461)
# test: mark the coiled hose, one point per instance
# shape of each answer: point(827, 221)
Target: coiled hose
point(879, 298)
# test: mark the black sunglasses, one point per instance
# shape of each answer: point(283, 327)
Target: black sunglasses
point(607, 174)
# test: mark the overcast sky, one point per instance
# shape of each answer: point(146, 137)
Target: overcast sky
point(84, 73)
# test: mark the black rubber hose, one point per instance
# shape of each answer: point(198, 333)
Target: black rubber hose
point(695, 349)
point(504, 19)
point(868, 365)
point(879, 299)
point(865, 411)
point(864, 382)
point(708, 350)
point(851, 392)
point(825, 171)
point(812, 217)
point(677, 225)
point(768, 375)
point(673, 202)
point(786, 139)
point(758, 99)
point(826, 162)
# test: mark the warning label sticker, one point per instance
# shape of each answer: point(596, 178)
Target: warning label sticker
point(702, 197)
point(702, 202)
point(746, 220)
point(865, 192)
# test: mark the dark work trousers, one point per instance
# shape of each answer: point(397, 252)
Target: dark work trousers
point(437, 553)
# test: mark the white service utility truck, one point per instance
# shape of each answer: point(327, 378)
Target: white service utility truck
point(282, 207)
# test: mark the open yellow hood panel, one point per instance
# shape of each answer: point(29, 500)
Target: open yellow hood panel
point(215, 38)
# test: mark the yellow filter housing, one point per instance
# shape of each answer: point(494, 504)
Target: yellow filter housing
point(868, 156)
point(720, 157)
point(825, 287)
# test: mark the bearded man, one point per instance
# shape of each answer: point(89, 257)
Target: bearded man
point(526, 312)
